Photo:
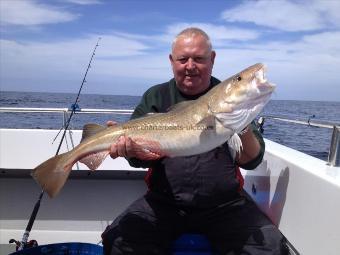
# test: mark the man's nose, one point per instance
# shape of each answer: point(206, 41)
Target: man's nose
point(191, 64)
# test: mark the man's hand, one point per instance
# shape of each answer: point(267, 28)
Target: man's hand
point(127, 148)
point(251, 146)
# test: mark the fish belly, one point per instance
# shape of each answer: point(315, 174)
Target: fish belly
point(191, 143)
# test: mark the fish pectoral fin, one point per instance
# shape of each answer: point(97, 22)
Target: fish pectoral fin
point(207, 122)
point(235, 143)
point(93, 161)
point(91, 129)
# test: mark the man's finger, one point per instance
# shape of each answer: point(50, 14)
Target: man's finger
point(129, 148)
point(121, 146)
point(111, 123)
point(113, 151)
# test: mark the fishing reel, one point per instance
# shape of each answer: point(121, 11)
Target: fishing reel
point(259, 124)
point(29, 244)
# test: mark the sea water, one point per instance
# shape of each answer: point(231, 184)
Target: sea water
point(310, 140)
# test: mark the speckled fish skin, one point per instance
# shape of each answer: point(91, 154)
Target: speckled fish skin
point(189, 128)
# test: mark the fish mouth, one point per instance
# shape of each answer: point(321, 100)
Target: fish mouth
point(260, 88)
point(260, 74)
point(261, 81)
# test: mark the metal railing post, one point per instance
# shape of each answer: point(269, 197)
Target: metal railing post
point(334, 149)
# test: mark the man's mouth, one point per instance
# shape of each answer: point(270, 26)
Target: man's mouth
point(191, 75)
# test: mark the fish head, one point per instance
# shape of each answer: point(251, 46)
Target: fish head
point(242, 97)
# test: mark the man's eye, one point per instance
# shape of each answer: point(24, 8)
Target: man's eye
point(182, 60)
point(200, 59)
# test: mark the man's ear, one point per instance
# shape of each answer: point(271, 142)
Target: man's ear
point(170, 58)
point(213, 55)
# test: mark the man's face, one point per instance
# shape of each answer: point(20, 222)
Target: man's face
point(192, 61)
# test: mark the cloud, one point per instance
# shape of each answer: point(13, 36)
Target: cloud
point(84, 2)
point(218, 33)
point(286, 15)
point(30, 13)
point(310, 50)
point(59, 65)
point(127, 62)
point(306, 69)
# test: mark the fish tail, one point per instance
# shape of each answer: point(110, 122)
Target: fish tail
point(52, 174)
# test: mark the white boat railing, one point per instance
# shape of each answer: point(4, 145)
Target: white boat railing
point(334, 148)
point(309, 122)
point(63, 110)
point(333, 154)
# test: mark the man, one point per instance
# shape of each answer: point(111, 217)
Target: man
point(197, 194)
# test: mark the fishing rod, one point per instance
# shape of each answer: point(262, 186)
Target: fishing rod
point(74, 107)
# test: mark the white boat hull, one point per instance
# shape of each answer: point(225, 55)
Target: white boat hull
point(301, 194)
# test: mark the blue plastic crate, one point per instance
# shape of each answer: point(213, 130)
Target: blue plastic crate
point(63, 248)
point(191, 244)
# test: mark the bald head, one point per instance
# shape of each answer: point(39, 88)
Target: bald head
point(192, 32)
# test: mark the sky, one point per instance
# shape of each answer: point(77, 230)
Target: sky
point(46, 45)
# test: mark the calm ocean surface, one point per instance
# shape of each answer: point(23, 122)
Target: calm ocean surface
point(311, 140)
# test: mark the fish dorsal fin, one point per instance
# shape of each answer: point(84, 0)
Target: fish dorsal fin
point(91, 129)
point(179, 106)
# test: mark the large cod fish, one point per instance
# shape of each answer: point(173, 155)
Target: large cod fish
point(189, 128)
